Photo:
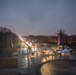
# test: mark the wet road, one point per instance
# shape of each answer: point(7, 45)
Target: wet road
point(10, 70)
point(58, 67)
point(29, 61)
point(26, 60)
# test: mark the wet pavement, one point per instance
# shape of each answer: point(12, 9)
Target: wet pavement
point(10, 70)
point(27, 63)
point(58, 67)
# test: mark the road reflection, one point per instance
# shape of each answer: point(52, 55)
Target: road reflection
point(47, 58)
point(27, 61)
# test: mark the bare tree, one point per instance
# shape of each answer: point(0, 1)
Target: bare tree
point(4, 30)
point(60, 32)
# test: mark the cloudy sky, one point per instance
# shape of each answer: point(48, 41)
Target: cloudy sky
point(38, 17)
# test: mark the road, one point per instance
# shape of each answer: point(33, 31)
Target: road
point(27, 62)
point(11, 70)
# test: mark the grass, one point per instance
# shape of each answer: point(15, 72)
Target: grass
point(8, 62)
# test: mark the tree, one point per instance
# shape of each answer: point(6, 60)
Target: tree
point(8, 38)
point(60, 34)
point(4, 30)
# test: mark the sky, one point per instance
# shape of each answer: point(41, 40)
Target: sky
point(38, 17)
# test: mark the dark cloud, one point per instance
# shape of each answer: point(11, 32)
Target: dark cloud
point(38, 16)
